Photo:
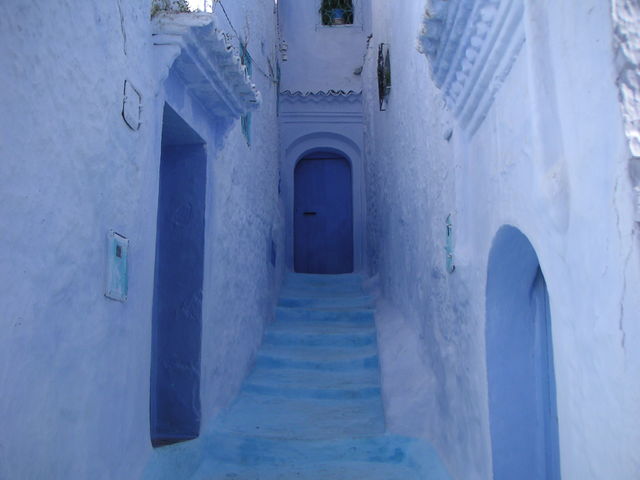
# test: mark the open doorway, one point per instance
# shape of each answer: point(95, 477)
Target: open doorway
point(177, 304)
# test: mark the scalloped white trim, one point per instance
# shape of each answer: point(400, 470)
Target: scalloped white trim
point(337, 96)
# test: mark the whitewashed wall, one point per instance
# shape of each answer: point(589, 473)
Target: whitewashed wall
point(320, 57)
point(74, 366)
point(549, 158)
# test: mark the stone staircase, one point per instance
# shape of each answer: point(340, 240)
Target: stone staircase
point(311, 408)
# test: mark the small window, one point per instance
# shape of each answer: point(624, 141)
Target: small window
point(337, 12)
point(245, 120)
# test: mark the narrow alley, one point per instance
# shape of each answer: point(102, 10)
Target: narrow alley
point(320, 239)
point(311, 408)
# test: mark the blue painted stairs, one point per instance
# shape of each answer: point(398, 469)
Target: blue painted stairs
point(311, 408)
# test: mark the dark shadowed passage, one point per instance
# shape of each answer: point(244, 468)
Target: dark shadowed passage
point(177, 306)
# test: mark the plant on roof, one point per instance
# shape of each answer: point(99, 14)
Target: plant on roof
point(171, 6)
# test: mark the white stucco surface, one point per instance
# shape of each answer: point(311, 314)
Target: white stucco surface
point(537, 128)
point(549, 158)
point(320, 57)
point(74, 366)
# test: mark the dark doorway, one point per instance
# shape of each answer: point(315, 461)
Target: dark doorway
point(323, 214)
point(522, 397)
point(177, 303)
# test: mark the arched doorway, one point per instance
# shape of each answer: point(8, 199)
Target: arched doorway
point(522, 399)
point(323, 214)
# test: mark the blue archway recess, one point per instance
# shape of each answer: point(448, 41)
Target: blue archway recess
point(522, 398)
point(323, 214)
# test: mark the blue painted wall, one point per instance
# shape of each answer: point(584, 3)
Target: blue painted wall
point(322, 57)
point(323, 214)
point(522, 403)
point(177, 309)
point(75, 365)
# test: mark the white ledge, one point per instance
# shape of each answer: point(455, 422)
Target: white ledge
point(328, 96)
point(205, 61)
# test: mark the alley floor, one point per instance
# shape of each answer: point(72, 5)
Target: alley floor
point(311, 408)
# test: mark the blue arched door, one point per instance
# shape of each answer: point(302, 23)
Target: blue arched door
point(323, 214)
point(522, 397)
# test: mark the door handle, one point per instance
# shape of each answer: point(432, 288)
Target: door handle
point(309, 214)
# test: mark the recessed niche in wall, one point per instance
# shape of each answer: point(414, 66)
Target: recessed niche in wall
point(520, 366)
point(179, 273)
point(336, 12)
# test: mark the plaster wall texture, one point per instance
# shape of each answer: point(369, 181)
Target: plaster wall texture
point(75, 364)
point(320, 57)
point(550, 158)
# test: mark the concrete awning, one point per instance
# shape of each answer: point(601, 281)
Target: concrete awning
point(205, 61)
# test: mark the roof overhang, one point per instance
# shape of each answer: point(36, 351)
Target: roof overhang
point(212, 72)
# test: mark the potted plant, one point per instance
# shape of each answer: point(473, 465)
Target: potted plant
point(336, 12)
point(337, 16)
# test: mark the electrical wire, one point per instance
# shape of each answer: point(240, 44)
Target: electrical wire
point(245, 49)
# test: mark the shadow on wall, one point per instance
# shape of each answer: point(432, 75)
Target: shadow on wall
point(522, 398)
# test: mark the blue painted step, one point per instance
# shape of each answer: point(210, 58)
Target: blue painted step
point(354, 316)
point(327, 379)
point(311, 409)
point(383, 457)
point(293, 337)
point(327, 359)
point(329, 303)
point(302, 418)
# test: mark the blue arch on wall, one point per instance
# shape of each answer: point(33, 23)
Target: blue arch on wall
point(521, 379)
point(320, 150)
point(326, 141)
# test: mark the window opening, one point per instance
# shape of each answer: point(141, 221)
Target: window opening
point(337, 12)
